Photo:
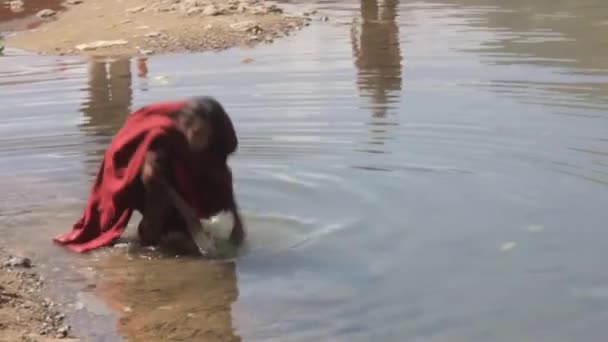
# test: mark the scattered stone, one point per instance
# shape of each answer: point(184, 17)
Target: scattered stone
point(324, 18)
point(242, 7)
point(194, 11)
point(193, 3)
point(212, 10)
point(63, 331)
point(135, 9)
point(46, 13)
point(274, 9)
point(242, 26)
point(101, 44)
point(74, 2)
point(248, 60)
point(15, 261)
point(126, 21)
point(16, 4)
point(153, 34)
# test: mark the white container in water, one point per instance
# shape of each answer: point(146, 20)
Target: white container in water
point(220, 225)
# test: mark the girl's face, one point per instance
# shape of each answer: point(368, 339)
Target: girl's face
point(198, 132)
point(199, 135)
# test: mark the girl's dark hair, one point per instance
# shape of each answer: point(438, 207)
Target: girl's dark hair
point(223, 136)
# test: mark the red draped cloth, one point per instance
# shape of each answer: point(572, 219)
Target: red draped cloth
point(203, 179)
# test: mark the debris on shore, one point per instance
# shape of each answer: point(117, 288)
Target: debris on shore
point(158, 26)
point(25, 315)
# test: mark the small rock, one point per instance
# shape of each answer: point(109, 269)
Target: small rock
point(325, 18)
point(268, 39)
point(194, 11)
point(126, 21)
point(74, 2)
point(46, 13)
point(153, 34)
point(16, 4)
point(248, 60)
point(64, 330)
point(192, 3)
point(135, 9)
point(127, 309)
point(274, 9)
point(212, 10)
point(101, 44)
point(259, 10)
point(18, 262)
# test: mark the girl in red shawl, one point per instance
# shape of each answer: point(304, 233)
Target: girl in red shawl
point(185, 144)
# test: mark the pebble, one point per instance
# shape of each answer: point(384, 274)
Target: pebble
point(194, 10)
point(325, 18)
point(135, 9)
point(212, 10)
point(153, 34)
point(74, 2)
point(16, 4)
point(63, 331)
point(18, 262)
point(46, 13)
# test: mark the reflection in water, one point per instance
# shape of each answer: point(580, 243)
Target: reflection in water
point(110, 95)
point(377, 53)
point(107, 104)
point(192, 306)
point(547, 34)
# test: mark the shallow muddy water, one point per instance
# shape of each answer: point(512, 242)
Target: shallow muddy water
point(416, 171)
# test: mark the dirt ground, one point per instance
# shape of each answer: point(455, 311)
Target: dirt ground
point(25, 315)
point(131, 27)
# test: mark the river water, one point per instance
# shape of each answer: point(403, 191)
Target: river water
point(408, 170)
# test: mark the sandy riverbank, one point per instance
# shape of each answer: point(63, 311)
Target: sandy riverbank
point(25, 315)
point(131, 27)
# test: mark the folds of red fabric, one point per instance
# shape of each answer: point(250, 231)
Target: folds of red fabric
point(203, 179)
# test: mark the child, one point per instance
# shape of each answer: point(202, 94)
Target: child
point(182, 144)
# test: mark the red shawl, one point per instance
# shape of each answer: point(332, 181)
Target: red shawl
point(204, 179)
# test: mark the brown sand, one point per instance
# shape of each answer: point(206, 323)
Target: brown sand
point(159, 26)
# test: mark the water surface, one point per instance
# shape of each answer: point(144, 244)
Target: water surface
point(409, 170)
